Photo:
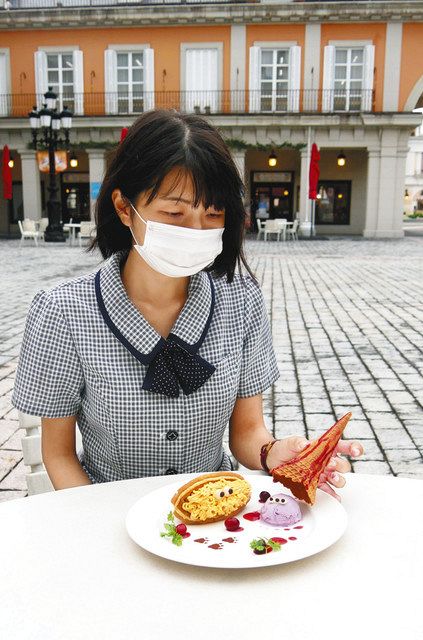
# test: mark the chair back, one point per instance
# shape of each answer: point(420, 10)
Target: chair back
point(87, 227)
point(295, 226)
point(281, 223)
point(28, 224)
point(43, 225)
point(20, 227)
point(272, 226)
point(37, 479)
point(260, 224)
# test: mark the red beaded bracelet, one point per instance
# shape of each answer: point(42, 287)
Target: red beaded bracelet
point(264, 452)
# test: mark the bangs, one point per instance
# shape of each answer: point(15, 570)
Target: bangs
point(208, 189)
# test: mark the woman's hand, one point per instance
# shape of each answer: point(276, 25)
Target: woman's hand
point(287, 448)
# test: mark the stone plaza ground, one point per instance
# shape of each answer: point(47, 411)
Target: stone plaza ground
point(347, 320)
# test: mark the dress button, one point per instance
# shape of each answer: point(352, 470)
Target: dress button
point(171, 435)
point(170, 471)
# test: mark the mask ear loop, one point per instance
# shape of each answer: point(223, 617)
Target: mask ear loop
point(141, 218)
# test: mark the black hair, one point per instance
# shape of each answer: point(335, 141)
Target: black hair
point(157, 142)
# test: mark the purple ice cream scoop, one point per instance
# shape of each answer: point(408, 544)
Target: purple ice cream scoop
point(280, 509)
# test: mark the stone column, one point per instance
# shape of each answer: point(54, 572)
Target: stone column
point(372, 193)
point(97, 168)
point(31, 188)
point(305, 209)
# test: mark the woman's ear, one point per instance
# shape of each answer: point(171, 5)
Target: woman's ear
point(122, 207)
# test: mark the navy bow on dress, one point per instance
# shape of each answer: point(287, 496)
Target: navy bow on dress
point(173, 363)
point(174, 366)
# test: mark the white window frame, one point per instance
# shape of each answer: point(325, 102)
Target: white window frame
point(329, 72)
point(294, 74)
point(5, 98)
point(216, 101)
point(110, 75)
point(78, 76)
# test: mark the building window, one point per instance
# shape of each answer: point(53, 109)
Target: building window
point(348, 73)
point(129, 79)
point(274, 79)
point(348, 83)
point(61, 78)
point(333, 202)
point(130, 82)
point(63, 71)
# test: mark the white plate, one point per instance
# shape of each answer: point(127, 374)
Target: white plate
point(323, 524)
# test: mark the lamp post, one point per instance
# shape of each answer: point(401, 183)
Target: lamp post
point(49, 121)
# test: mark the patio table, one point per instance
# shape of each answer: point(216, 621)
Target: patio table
point(73, 227)
point(70, 571)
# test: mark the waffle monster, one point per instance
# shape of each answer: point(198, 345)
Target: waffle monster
point(211, 497)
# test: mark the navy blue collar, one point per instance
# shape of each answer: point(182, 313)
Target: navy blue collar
point(131, 328)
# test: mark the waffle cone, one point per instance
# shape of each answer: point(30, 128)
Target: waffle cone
point(301, 474)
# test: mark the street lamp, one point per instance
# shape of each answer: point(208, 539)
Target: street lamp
point(47, 122)
point(341, 159)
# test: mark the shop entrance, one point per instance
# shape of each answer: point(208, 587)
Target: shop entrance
point(272, 195)
point(75, 197)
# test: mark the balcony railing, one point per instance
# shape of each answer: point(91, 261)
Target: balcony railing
point(63, 4)
point(18, 105)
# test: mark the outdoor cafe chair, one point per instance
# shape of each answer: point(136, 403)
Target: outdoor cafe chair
point(28, 230)
point(86, 231)
point(273, 227)
point(293, 231)
point(261, 226)
point(37, 479)
point(42, 226)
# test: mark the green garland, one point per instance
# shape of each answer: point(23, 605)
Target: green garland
point(235, 143)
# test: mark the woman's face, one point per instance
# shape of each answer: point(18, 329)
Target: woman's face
point(173, 205)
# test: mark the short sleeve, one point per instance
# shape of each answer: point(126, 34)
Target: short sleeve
point(49, 379)
point(259, 368)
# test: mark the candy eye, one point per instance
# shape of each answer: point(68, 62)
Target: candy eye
point(271, 499)
point(219, 493)
point(228, 491)
point(283, 500)
point(276, 499)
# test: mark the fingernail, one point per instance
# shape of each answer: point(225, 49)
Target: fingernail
point(332, 462)
point(355, 451)
point(335, 476)
point(302, 444)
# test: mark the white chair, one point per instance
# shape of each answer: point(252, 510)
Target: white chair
point(37, 479)
point(86, 231)
point(42, 226)
point(281, 223)
point(293, 231)
point(272, 227)
point(28, 230)
point(261, 226)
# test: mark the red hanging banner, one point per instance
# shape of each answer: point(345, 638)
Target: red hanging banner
point(7, 174)
point(314, 172)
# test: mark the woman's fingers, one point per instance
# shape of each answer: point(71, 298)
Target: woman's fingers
point(328, 489)
point(332, 477)
point(351, 448)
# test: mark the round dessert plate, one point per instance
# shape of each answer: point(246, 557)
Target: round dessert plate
point(211, 545)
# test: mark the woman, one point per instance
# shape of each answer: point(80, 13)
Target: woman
point(155, 352)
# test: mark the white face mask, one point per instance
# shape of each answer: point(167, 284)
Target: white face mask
point(178, 251)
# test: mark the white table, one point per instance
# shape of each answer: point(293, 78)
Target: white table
point(73, 227)
point(69, 571)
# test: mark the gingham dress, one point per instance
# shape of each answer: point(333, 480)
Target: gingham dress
point(71, 363)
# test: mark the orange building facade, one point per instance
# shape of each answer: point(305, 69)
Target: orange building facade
point(273, 77)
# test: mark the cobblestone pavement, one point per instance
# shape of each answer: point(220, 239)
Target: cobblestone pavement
point(346, 316)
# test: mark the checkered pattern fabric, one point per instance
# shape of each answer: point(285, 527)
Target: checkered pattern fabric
point(72, 364)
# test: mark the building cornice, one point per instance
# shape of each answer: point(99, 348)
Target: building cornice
point(211, 14)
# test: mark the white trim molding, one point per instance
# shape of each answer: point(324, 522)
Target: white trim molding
point(238, 66)
point(392, 73)
point(414, 95)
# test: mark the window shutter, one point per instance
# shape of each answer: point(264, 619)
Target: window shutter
point(4, 89)
point(254, 80)
point(78, 82)
point(40, 62)
point(328, 78)
point(368, 72)
point(110, 82)
point(148, 59)
point(294, 85)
